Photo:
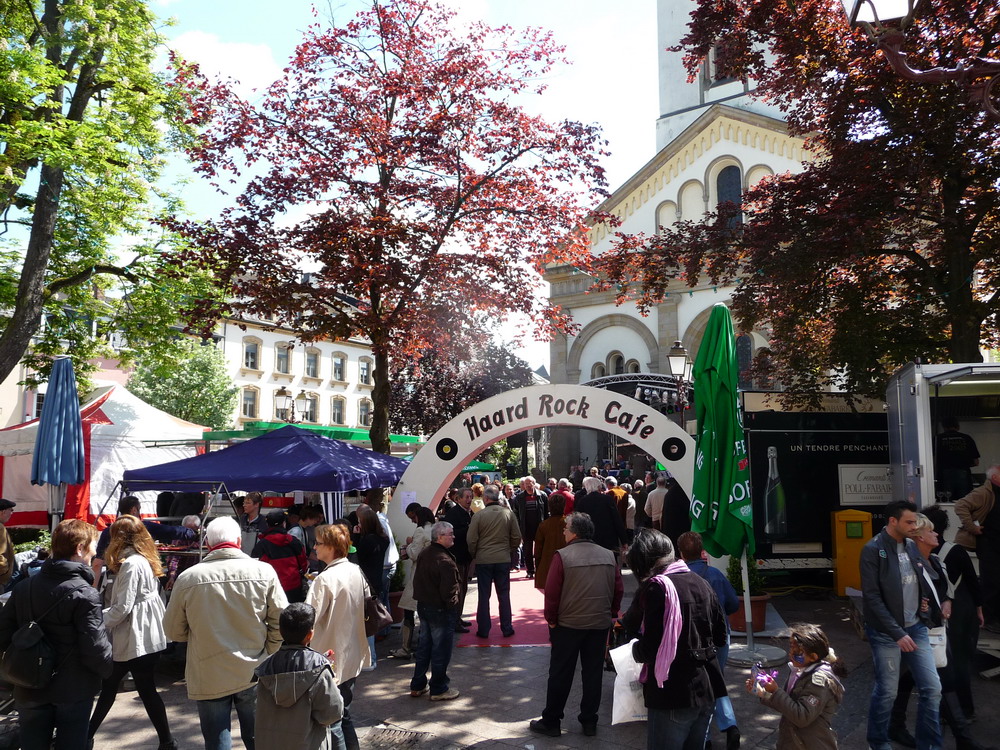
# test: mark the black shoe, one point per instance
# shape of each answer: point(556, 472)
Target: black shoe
point(461, 629)
point(901, 736)
point(589, 730)
point(465, 623)
point(732, 739)
point(537, 725)
point(481, 635)
point(508, 633)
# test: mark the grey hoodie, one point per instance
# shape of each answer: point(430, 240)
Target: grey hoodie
point(297, 700)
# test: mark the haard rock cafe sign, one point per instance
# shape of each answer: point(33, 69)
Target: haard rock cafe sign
point(448, 451)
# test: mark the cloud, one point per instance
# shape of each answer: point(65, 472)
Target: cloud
point(252, 66)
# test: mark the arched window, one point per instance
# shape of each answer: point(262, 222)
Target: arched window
point(632, 366)
point(618, 365)
point(339, 373)
point(365, 366)
point(251, 353)
point(250, 403)
point(311, 413)
point(312, 363)
point(337, 410)
point(365, 413)
point(283, 358)
point(729, 188)
point(597, 371)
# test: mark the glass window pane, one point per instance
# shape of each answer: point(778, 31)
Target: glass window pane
point(249, 403)
point(282, 359)
point(250, 358)
point(337, 412)
point(338, 368)
point(365, 375)
point(312, 364)
point(365, 414)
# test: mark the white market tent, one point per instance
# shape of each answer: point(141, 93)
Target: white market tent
point(116, 427)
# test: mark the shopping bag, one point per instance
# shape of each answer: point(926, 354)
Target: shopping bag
point(628, 703)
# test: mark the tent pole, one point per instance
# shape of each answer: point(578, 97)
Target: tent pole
point(747, 611)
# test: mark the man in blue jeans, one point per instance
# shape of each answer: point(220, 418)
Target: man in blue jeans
point(896, 583)
point(436, 589)
point(493, 535)
point(692, 551)
point(226, 608)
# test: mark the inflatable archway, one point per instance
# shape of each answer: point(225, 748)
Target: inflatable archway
point(439, 462)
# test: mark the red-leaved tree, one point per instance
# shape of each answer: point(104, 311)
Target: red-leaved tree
point(887, 246)
point(393, 163)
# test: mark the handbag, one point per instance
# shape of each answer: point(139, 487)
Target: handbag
point(377, 616)
point(938, 636)
point(628, 703)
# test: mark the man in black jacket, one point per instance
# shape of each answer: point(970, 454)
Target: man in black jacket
point(436, 589)
point(532, 507)
point(75, 630)
point(460, 516)
point(609, 529)
point(897, 590)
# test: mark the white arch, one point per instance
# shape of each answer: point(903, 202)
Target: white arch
point(445, 455)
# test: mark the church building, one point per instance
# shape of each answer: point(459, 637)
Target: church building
point(713, 141)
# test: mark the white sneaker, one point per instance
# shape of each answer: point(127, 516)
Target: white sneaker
point(446, 696)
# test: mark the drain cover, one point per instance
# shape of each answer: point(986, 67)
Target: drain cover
point(384, 737)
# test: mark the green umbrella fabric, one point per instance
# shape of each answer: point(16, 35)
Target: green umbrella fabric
point(721, 508)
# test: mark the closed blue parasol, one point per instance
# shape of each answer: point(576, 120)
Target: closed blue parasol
point(58, 459)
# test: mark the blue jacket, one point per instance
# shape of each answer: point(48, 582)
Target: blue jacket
point(882, 585)
point(723, 589)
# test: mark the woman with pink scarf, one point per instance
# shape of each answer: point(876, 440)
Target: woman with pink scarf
point(680, 626)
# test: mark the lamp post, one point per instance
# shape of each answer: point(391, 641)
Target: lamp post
point(680, 368)
point(284, 405)
point(886, 21)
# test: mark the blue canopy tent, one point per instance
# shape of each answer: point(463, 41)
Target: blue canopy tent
point(284, 460)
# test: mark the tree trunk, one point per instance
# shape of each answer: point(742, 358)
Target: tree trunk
point(381, 393)
point(31, 286)
point(965, 338)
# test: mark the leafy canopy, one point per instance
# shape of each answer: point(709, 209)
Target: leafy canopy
point(191, 384)
point(886, 246)
point(85, 122)
point(392, 162)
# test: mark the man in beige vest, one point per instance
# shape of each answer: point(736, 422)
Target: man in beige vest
point(583, 593)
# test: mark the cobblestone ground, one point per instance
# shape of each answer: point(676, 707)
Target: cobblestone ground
point(503, 688)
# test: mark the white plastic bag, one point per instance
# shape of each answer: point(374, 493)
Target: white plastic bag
point(628, 704)
point(938, 638)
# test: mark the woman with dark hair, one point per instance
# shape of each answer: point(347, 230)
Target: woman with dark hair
point(338, 596)
point(371, 542)
point(74, 629)
point(424, 519)
point(682, 626)
point(135, 623)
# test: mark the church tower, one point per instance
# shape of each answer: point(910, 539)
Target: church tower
point(683, 101)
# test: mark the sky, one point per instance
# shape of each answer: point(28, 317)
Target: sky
point(612, 47)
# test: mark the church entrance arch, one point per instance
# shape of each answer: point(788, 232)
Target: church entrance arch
point(440, 461)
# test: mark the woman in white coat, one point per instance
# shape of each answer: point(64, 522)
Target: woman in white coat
point(135, 624)
point(338, 596)
point(424, 519)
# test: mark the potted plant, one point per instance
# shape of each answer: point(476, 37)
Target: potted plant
point(758, 596)
point(396, 585)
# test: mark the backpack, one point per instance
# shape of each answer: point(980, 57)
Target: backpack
point(30, 660)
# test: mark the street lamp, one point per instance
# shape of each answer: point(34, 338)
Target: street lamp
point(301, 403)
point(284, 406)
point(886, 21)
point(680, 369)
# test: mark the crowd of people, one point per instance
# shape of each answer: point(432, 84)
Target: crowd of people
point(276, 615)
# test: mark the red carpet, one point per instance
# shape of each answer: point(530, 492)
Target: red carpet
point(527, 604)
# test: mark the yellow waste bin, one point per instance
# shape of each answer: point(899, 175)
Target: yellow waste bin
point(851, 531)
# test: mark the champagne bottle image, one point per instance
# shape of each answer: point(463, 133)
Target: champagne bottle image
point(775, 512)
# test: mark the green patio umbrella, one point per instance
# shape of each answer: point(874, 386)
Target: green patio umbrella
point(721, 508)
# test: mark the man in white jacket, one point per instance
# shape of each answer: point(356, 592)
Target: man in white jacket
point(216, 608)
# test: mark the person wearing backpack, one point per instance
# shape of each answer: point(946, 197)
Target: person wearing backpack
point(63, 601)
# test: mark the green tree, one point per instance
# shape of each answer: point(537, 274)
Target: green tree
point(191, 384)
point(83, 124)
